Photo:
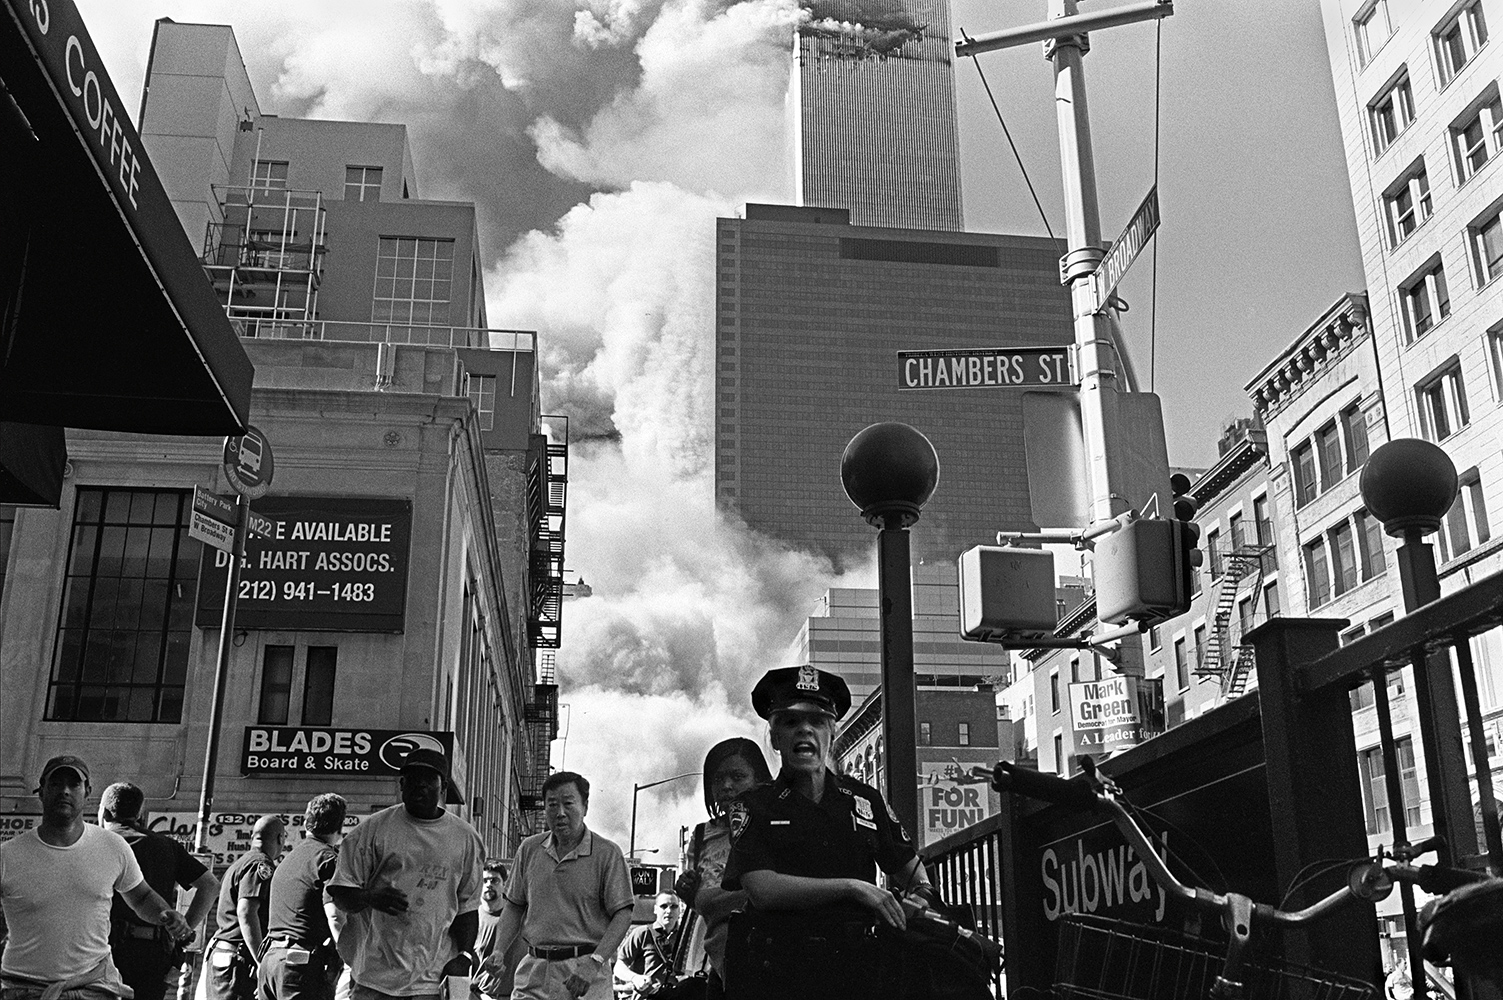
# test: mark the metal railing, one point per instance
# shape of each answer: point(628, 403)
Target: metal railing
point(273, 328)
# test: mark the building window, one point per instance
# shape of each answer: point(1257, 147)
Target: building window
point(1343, 557)
point(1264, 526)
point(1354, 435)
point(1060, 767)
point(1370, 542)
point(926, 735)
point(1328, 452)
point(414, 278)
point(1408, 204)
point(1371, 29)
point(1302, 459)
point(1271, 603)
point(127, 612)
point(1442, 402)
point(1054, 691)
point(1466, 523)
point(1155, 640)
point(482, 392)
point(1486, 238)
point(1317, 573)
point(1213, 551)
point(1476, 136)
point(269, 175)
point(1245, 616)
point(318, 686)
point(1457, 40)
point(1495, 351)
point(1391, 113)
point(1181, 664)
point(1375, 790)
point(362, 183)
point(1198, 636)
point(276, 685)
point(965, 734)
point(1425, 299)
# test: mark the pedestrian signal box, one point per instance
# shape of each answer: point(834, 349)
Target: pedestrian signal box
point(644, 881)
point(1144, 570)
point(1006, 591)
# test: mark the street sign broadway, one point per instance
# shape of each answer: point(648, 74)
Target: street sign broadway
point(1028, 367)
point(330, 563)
point(1145, 222)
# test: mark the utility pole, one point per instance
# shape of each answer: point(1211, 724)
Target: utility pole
point(1065, 45)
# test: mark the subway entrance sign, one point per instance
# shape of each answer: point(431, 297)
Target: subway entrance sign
point(1003, 367)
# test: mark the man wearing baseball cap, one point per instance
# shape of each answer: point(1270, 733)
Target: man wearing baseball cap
point(57, 882)
point(409, 878)
point(806, 848)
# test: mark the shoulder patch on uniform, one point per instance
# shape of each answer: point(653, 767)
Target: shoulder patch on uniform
point(893, 816)
point(863, 807)
point(263, 871)
point(739, 817)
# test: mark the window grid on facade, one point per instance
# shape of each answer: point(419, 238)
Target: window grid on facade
point(1302, 461)
point(1391, 113)
point(1181, 664)
point(362, 183)
point(1272, 606)
point(1457, 40)
point(1263, 524)
point(269, 175)
point(1054, 691)
point(1198, 637)
point(1317, 573)
point(1371, 29)
point(1495, 353)
point(1425, 300)
point(1369, 532)
point(1487, 247)
point(1328, 451)
point(964, 736)
point(1213, 550)
point(1375, 789)
point(925, 734)
point(126, 620)
point(1354, 436)
point(1466, 525)
point(1442, 403)
point(1477, 136)
point(1409, 204)
point(1343, 558)
point(414, 280)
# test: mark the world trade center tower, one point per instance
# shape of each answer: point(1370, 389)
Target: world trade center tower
point(873, 88)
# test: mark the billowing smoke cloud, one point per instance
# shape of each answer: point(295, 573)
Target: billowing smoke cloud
point(600, 141)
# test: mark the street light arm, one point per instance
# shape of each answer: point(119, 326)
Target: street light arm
point(635, 788)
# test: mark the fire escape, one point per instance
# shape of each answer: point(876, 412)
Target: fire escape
point(547, 490)
point(265, 258)
point(540, 719)
point(1227, 656)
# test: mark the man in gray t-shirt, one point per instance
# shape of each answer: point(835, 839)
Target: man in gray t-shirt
point(409, 878)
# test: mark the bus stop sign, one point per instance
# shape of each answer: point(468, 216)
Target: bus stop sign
point(248, 463)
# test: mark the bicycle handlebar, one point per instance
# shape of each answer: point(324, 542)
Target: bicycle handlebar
point(1075, 793)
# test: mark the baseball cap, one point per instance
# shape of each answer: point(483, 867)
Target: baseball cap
point(434, 760)
point(802, 687)
point(67, 760)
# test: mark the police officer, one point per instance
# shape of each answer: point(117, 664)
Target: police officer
point(230, 968)
point(298, 962)
point(806, 847)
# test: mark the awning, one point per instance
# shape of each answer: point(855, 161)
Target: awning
point(107, 319)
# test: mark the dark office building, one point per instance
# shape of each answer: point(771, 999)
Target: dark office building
point(810, 314)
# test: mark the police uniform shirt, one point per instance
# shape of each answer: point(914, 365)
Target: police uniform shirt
point(248, 878)
point(296, 905)
point(846, 835)
point(165, 864)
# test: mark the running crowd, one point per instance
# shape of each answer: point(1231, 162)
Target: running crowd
point(781, 880)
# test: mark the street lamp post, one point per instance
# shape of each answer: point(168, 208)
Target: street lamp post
point(890, 471)
point(635, 788)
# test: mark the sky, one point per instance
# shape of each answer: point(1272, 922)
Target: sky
point(601, 138)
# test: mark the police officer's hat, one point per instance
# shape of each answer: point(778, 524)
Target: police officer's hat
point(804, 688)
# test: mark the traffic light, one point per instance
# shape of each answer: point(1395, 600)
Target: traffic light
point(1006, 591)
point(1144, 570)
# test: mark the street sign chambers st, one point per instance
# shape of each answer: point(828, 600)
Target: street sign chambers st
point(1031, 367)
point(330, 563)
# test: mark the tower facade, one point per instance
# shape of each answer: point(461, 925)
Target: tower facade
point(873, 88)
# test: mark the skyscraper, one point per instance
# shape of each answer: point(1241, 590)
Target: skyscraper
point(874, 90)
point(810, 314)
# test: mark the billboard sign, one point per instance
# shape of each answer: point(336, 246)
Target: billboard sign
point(949, 800)
point(369, 753)
point(1003, 367)
point(329, 563)
point(1115, 713)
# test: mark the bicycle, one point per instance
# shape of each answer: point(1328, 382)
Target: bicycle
point(1108, 959)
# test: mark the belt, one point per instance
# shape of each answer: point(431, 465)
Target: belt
point(139, 931)
point(560, 954)
point(287, 941)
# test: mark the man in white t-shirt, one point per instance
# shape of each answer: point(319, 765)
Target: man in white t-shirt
point(409, 878)
point(57, 882)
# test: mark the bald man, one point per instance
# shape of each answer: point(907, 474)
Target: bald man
point(230, 969)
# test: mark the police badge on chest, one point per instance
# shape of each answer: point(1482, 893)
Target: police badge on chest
point(863, 814)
